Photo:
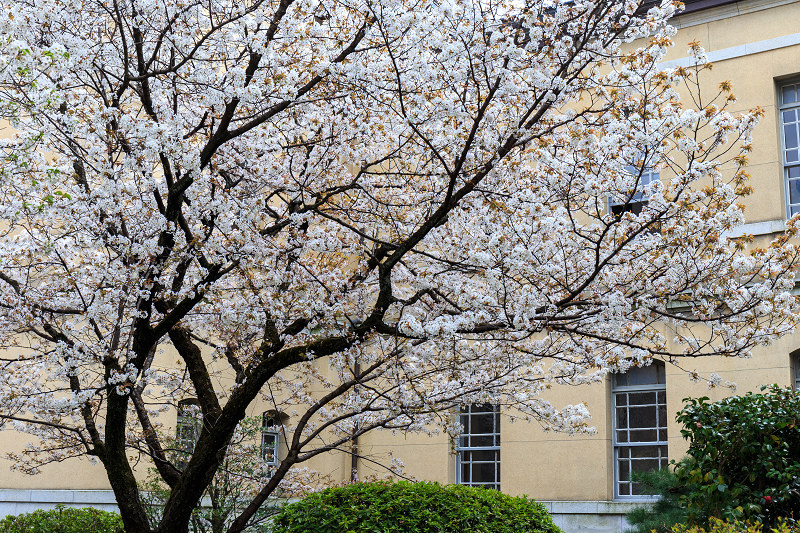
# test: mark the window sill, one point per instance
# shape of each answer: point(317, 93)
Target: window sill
point(593, 507)
point(757, 228)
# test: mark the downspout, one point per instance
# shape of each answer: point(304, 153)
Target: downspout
point(354, 441)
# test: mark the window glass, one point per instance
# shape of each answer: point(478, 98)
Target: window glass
point(270, 437)
point(640, 425)
point(789, 104)
point(478, 450)
point(634, 200)
point(187, 430)
point(796, 371)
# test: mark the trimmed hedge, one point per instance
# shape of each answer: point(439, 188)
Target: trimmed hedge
point(411, 508)
point(63, 520)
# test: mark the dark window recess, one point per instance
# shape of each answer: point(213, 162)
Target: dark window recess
point(640, 425)
point(478, 450)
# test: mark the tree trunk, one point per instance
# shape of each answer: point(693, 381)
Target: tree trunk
point(118, 469)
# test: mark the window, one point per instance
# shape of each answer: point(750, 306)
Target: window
point(187, 430)
point(790, 135)
point(796, 370)
point(640, 425)
point(627, 202)
point(478, 449)
point(270, 437)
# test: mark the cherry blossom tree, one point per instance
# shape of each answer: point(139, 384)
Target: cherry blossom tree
point(365, 212)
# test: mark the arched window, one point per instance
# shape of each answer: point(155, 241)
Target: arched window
point(271, 429)
point(795, 357)
point(187, 430)
point(640, 425)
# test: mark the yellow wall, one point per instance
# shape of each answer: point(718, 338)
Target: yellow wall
point(552, 466)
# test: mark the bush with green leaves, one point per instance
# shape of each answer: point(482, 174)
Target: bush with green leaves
point(63, 520)
point(413, 508)
point(726, 526)
point(743, 461)
point(663, 513)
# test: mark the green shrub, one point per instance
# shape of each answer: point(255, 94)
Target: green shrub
point(63, 520)
point(663, 513)
point(719, 526)
point(413, 507)
point(743, 461)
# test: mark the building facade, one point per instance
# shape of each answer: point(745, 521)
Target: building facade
point(583, 480)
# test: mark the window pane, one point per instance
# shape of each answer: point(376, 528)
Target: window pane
point(482, 424)
point(647, 375)
point(789, 116)
point(790, 136)
point(465, 473)
point(624, 471)
point(622, 436)
point(622, 418)
point(642, 398)
point(791, 156)
point(638, 452)
point(642, 417)
point(481, 440)
point(479, 455)
point(794, 191)
point(483, 472)
point(788, 95)
point(643, 435)
point(644, 465)
point(794, 172)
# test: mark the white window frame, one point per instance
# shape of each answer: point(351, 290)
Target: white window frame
point(796, 371)
point(187, 430)
point(790, 157)
point(625, 448)
point(466, 447)
point(645, 175)
point(270, 433)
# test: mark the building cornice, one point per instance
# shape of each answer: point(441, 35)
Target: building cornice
point(784, 41)
point(704, 11)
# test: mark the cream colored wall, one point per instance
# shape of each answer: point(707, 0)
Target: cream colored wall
point(552, 466)
point(754, 84)
point(71, 474)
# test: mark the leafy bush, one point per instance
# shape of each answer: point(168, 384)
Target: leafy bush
point(413, 507)
point(719, 526)
point(665, 512)
point(63, 520)
point(743, 462)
